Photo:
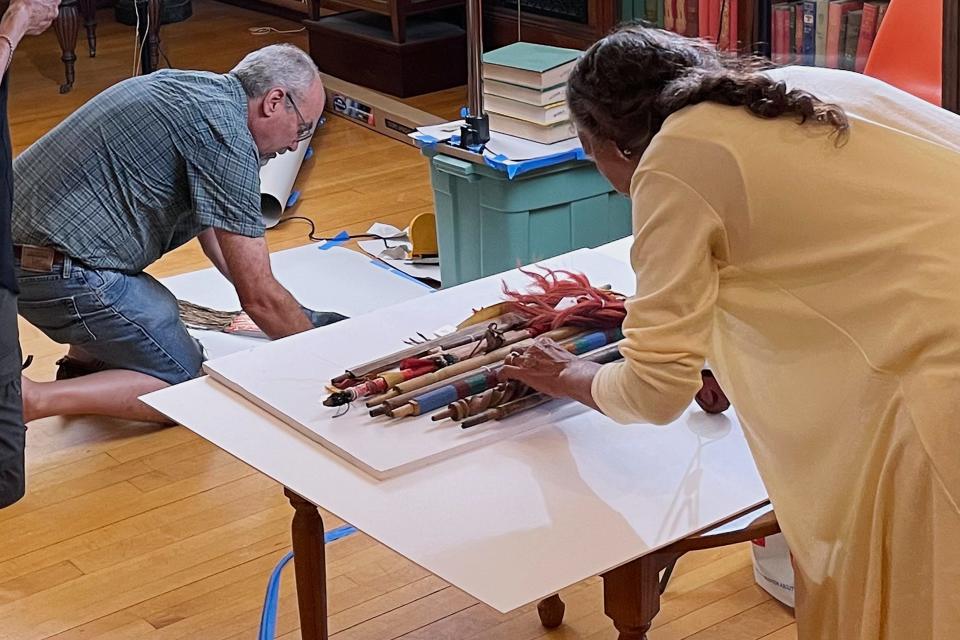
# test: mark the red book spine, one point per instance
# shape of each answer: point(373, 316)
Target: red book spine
point(868, 30)
point(703, 14)
point(781, 35)
point(834, 22)
point(731, 14)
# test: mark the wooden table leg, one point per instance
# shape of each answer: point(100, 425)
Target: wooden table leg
point(309, 561)
point(89, 10)
point(67, 25)
point(551, 611)
point(153, 37)
point(631, 595)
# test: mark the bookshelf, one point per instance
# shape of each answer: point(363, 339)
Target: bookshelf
point(750, 13)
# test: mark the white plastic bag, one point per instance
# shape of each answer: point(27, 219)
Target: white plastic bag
point(772, 569)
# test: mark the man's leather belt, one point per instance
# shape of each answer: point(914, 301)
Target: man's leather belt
point(37, 258)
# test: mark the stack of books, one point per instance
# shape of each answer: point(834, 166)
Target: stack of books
point(524, 88)
point(826, 33)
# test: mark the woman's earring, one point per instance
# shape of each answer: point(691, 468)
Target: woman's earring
point(625, 153)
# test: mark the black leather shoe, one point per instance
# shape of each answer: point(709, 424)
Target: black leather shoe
point(68, 368)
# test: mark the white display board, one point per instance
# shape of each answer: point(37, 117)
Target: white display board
point(520, 519)
point(288, 377)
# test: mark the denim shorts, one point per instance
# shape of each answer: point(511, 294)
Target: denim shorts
point(111, 320)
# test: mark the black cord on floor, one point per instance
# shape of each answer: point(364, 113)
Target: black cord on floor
point(313, 230)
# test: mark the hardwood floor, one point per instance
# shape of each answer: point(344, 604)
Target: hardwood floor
point(133, 532)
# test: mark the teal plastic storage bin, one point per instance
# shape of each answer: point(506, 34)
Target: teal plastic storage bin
point(487, 224)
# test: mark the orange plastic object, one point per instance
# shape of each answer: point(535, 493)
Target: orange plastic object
point(908, 49)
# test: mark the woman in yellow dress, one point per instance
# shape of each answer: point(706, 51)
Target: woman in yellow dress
point(800, 229)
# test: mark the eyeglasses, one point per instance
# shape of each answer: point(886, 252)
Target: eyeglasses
point(304, 128)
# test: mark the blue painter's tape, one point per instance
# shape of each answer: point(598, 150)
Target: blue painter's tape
point(437, 398)
point(464, 112)
point(292, 200)
point(427, 139)
point(395, 271)
point(338, 239)
point(514, 169)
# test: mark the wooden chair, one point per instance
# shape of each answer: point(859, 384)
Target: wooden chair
point(67, 27)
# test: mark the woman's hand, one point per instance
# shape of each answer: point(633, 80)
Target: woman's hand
point(551, 369)
point(29, 17)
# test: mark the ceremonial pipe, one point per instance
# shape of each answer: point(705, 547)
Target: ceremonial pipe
point(609, 353)
point(459, 338)
point(465, 353)
point(449, 392)
point(379, 386)
point(434, 399)
point(461, 409)
point(476, 363)
point(508, 409)
point(392, 403)
point(506, 337)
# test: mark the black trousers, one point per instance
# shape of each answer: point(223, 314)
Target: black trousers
point(12, 430)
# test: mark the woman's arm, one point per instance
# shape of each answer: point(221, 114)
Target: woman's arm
point(24, 17)
point(669, 320)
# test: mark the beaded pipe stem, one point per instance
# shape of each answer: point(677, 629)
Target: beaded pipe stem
point(459, 338)
point(475, 363)
point(522, 402)
point(429, 401)
point(460, 354)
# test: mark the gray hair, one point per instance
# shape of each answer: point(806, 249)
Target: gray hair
point(277, 65)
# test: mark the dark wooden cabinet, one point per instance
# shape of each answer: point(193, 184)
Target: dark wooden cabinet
point(398, 11)
point(564, 23)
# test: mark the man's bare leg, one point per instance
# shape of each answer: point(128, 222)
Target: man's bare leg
point(111, 393)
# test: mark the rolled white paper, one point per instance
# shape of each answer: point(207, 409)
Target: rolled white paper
point(277, 177)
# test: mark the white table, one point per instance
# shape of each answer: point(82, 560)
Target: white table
point(512, 522)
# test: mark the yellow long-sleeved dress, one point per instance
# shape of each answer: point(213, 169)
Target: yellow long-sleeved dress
point(822, 283)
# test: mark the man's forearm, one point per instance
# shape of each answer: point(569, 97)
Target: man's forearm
point(277, 313)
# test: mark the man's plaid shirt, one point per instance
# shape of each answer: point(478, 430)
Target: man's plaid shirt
point(141, 169)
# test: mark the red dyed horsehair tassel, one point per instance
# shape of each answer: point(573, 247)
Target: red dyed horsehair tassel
point(564, 298)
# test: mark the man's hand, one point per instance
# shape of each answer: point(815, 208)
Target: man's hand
point(551, 369)
point(267, 303)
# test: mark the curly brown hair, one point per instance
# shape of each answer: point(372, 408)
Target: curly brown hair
point(625, 86)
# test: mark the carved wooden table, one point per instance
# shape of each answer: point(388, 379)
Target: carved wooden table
point(631, 592)
point(67, 27)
